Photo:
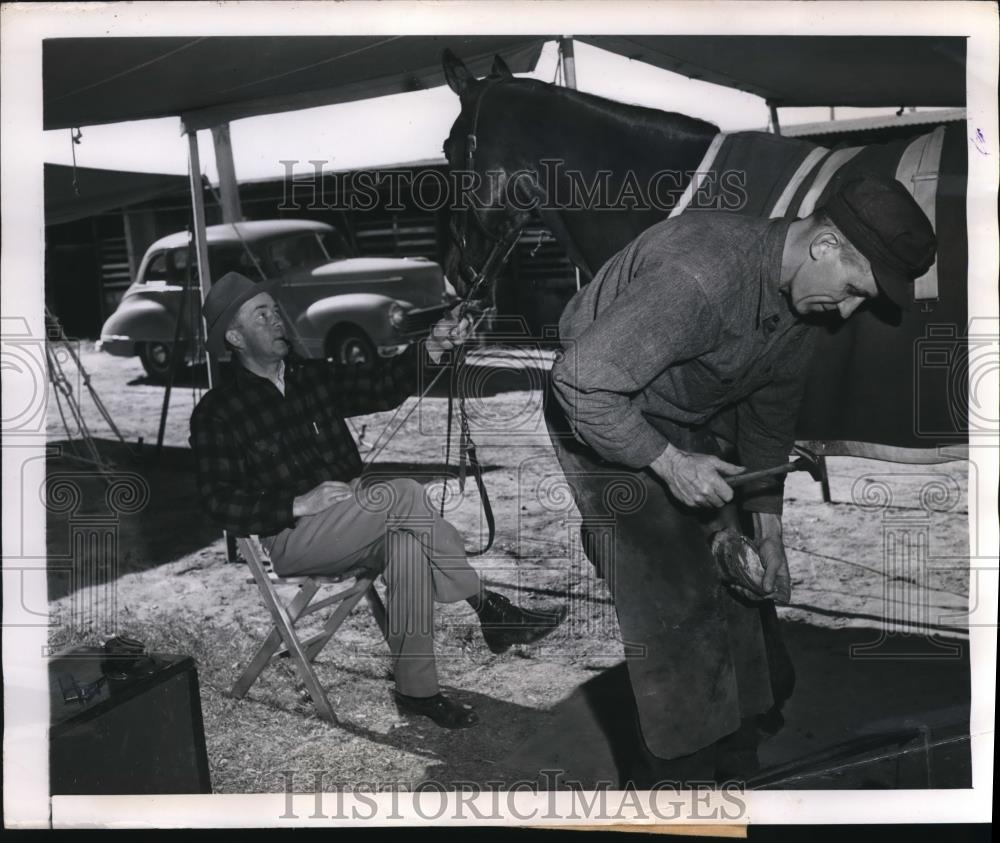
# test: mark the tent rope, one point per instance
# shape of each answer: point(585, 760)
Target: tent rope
point(75, 136)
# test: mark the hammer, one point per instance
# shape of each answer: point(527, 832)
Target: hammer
point(806, 462)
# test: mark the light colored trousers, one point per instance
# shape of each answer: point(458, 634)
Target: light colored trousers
point(389, 526)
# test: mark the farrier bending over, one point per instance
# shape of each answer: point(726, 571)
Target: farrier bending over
point(275, 458)
point(690, 345)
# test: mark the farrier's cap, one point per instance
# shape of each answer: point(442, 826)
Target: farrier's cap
point(885, 223)
point(224, 300)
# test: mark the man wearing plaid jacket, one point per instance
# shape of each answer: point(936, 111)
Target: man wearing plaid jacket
point(275, 458)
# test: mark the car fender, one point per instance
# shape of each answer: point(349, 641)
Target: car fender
point(369, 311)
point(140, 320)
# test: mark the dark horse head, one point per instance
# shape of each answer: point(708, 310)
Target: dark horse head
point(592, 170)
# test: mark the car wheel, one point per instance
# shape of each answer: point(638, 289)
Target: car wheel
point(351, 346)
point(155, 357)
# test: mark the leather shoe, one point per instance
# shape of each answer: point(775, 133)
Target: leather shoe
point(444, 712)
point(505, 624)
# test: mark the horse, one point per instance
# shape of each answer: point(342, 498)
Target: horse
point(883, 384)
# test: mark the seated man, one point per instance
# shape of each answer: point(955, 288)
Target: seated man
point(275, 458)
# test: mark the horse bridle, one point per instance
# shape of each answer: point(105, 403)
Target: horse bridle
point(501, 247)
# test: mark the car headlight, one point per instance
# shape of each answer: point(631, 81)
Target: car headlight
point(397, 315)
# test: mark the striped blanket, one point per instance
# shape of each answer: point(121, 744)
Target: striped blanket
point(869, 380)
point(787, 177)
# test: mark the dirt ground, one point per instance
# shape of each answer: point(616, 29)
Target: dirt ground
point(889, 554)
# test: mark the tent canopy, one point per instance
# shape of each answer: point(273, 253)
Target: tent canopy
point(212, 80)
point(787, 70)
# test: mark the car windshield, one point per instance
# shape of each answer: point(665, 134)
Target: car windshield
point(156, 268)
point(302, 251)
point(335, 246)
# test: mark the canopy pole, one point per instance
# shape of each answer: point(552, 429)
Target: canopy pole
point(204, 273)
point(569, 80)
point(569, 60)
point(200, 241)
point(229, 190)
point(775, 125)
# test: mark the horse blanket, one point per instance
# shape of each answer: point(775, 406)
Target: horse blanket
point(924, 350)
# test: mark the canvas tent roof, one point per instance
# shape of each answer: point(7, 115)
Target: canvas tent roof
point(216, 79)
point(786, 70)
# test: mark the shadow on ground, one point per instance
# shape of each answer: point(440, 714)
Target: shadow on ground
point(468, 755)
point(143, 514)
point(867, 713)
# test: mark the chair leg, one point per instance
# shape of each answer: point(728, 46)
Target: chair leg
point(283, 632)
point(314, 645)
point(267, 650)
point(285, 627)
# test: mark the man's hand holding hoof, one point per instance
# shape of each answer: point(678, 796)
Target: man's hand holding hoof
point(777, 582)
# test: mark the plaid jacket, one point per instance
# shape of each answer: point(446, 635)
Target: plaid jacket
point(256, 450)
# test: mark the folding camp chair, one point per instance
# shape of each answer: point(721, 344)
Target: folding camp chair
point(359, 583)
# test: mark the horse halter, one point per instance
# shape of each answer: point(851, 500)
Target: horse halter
point(502, 244)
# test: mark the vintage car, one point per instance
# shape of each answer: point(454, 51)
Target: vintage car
point(338, 306)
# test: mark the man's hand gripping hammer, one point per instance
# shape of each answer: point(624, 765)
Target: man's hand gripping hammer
point(806, 461)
